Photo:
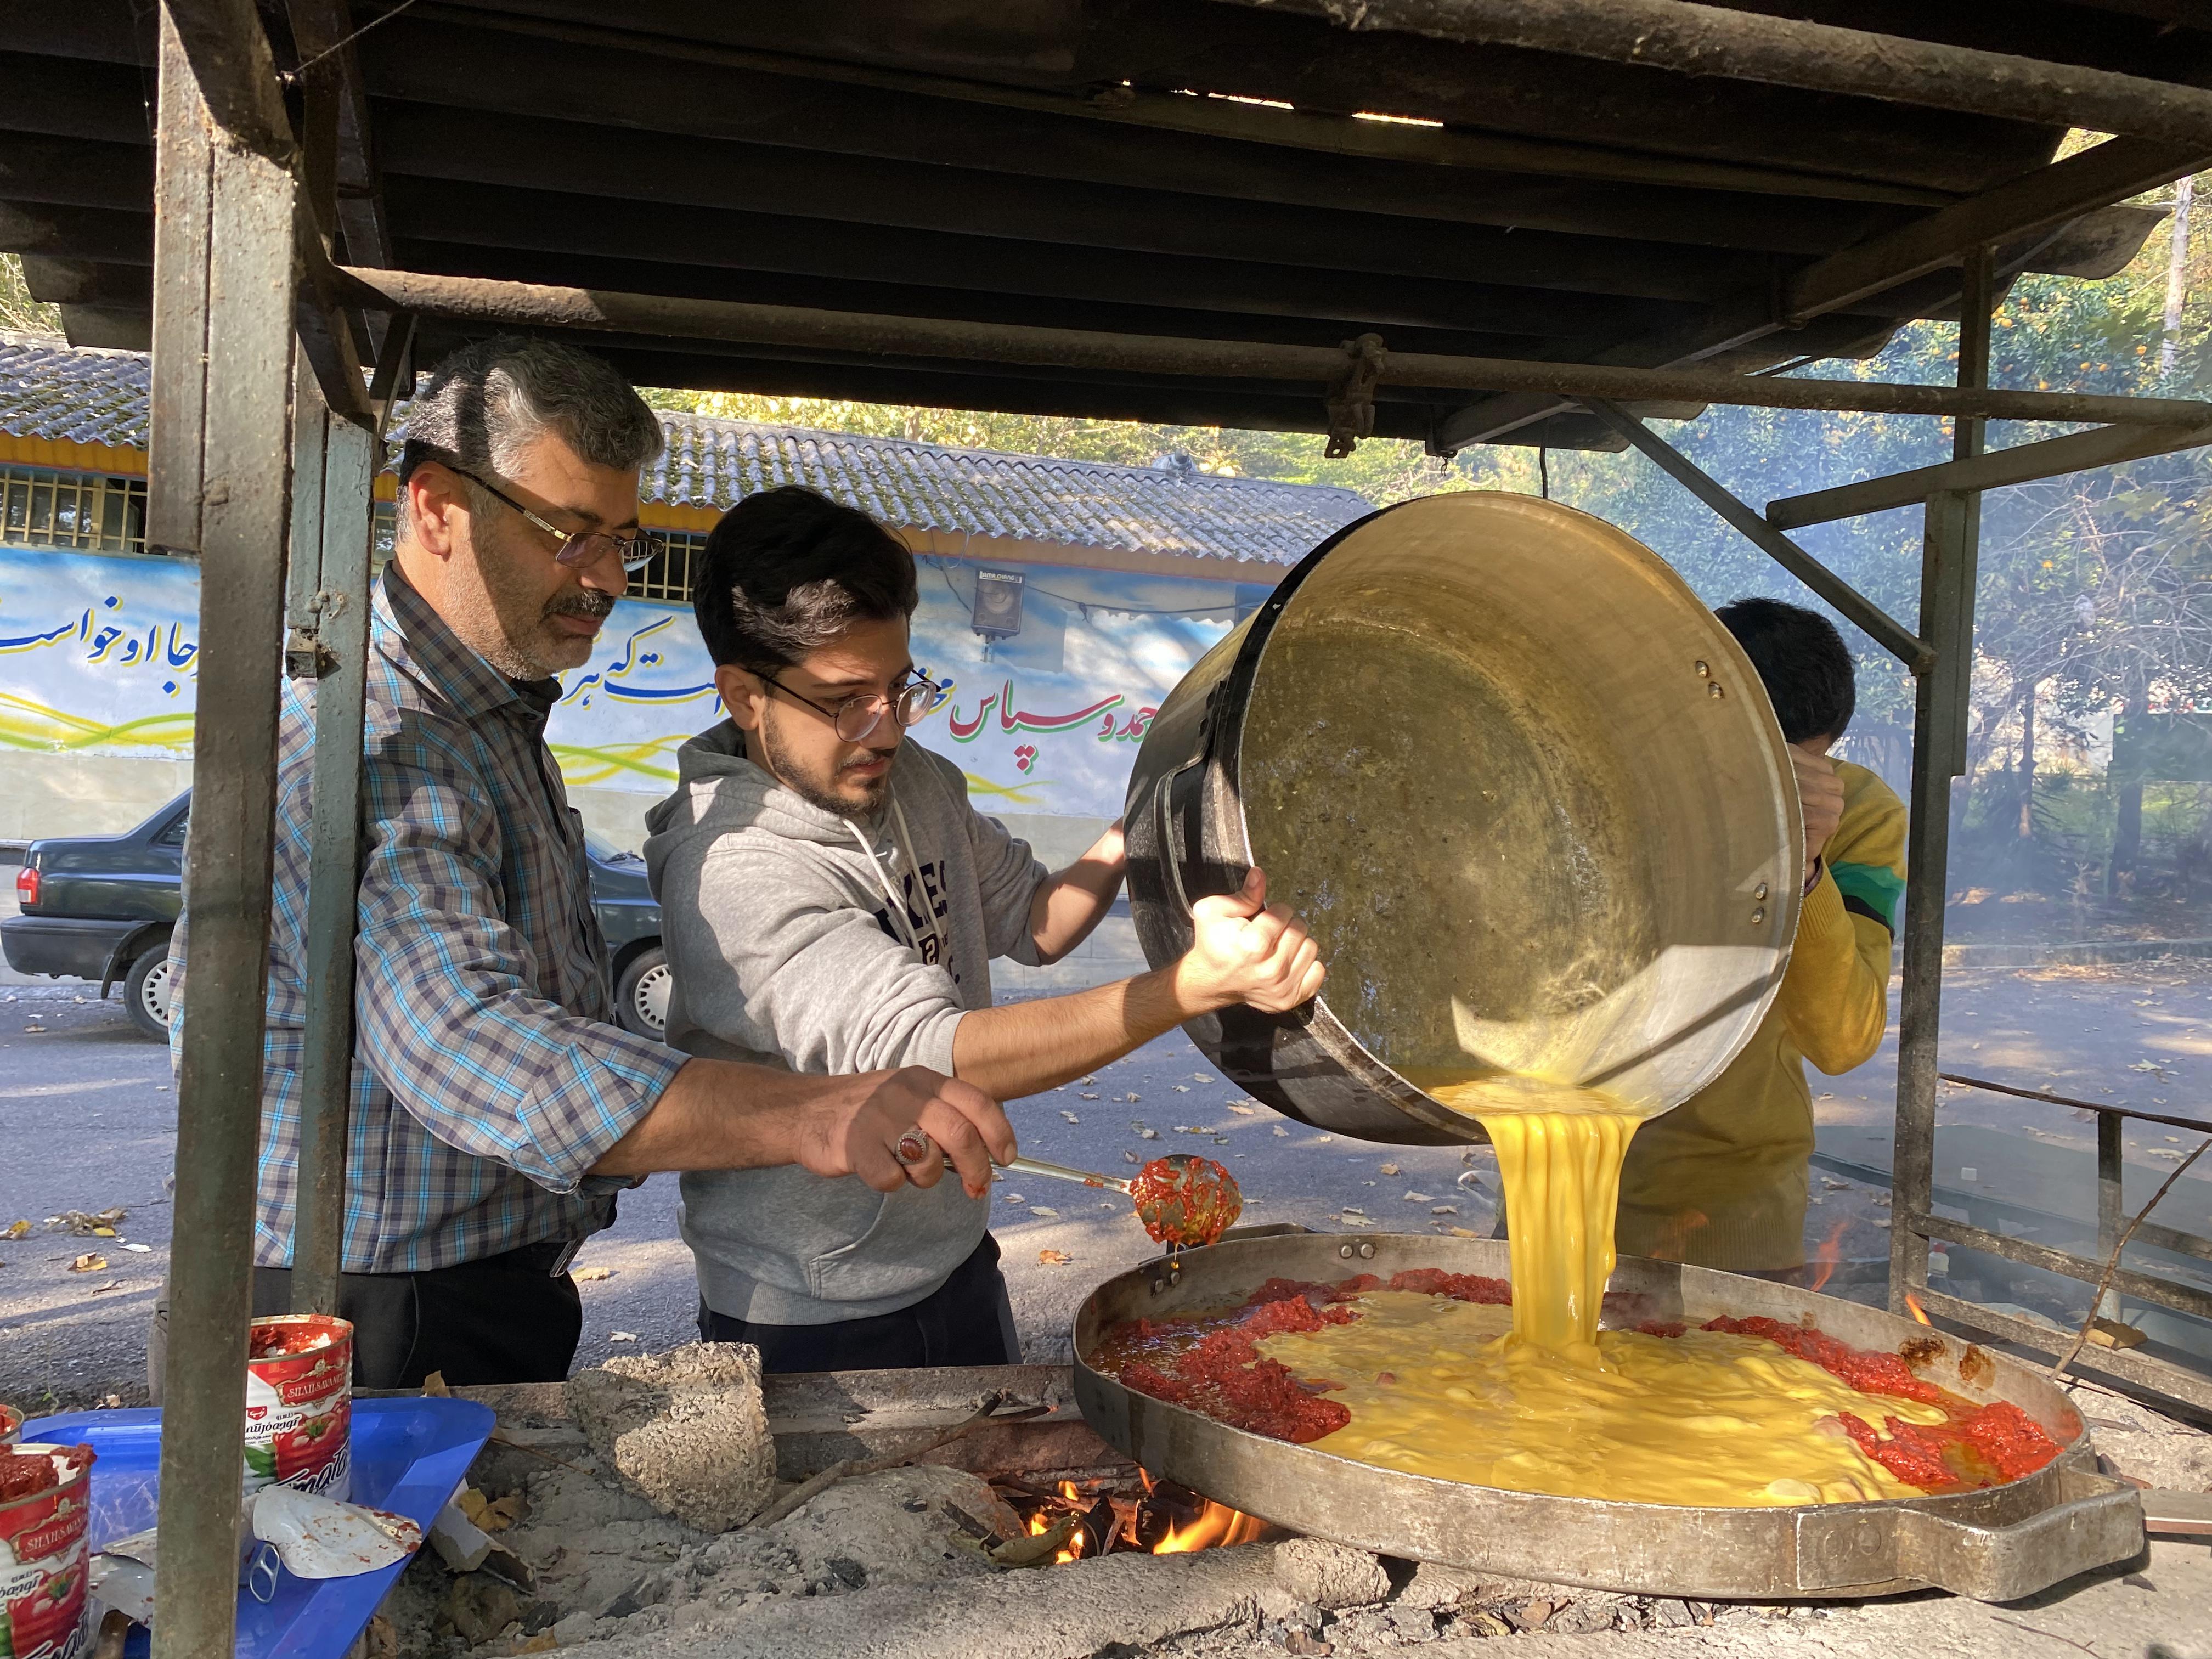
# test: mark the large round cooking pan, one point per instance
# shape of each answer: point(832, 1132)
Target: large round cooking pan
point(1997, 1544)
point(1525, 790)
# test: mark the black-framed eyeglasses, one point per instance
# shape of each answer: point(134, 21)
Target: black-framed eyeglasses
point(579, 549)
point(856, 717)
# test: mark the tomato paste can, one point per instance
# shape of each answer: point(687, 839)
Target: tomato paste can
point(298, 1405)
point(44, 1558)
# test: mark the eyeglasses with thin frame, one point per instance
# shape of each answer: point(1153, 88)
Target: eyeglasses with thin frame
point(857, 716)
point(579, 549)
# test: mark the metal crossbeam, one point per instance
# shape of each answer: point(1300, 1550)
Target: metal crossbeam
point(525, 304)
point(1748, 45)
point(1885, 629)
point(2051, 458)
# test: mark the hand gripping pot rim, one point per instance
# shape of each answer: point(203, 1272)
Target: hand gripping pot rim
point(298, 1405)
point(43, 1560)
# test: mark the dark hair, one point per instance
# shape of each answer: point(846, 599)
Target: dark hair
point(787, 571)
point(489, 400)
point(1801, 660)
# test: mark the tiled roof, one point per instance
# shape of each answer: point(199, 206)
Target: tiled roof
point(49, 390)
point(1165, 509)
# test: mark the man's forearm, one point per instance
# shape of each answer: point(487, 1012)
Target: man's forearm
point(1075, 900)
point(716, 1115)
point(1025, 1048)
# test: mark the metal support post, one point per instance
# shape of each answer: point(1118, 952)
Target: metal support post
point(1948, 557)
point(330, 644)
point(224, 280)
point(2112, 1207)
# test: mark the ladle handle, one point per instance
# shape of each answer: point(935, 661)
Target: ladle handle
point(1061, 1172)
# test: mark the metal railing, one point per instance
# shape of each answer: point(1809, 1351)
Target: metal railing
point(2149, 1371)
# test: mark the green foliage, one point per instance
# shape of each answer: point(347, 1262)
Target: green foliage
point(19, 313)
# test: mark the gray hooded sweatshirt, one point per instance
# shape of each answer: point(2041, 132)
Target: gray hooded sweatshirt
point(801, 939)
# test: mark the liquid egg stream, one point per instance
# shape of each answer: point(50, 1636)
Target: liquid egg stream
point(1541, 1400)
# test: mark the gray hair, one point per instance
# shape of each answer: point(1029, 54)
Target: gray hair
point(489, 401)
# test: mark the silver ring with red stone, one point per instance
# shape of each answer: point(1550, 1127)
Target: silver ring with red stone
point(913, 1148)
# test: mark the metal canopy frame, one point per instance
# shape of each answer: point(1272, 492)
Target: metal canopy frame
point(265, 432)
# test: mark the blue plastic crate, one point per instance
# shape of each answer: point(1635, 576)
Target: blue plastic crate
point(408, 1454)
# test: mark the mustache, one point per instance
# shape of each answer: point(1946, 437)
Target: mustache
point(583, 602)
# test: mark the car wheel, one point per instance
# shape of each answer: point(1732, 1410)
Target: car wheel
point(641, 995)
point(146, 991)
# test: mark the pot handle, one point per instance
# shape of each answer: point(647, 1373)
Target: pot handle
point(2095, 1522)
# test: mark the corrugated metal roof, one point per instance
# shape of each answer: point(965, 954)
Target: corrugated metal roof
point(49, 390)
point(75, 394)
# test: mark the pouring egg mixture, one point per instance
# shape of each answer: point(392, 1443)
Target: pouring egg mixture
point(1465, 1379)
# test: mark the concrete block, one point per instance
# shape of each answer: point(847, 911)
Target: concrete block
point(686, 1429)
point(1330, 1575)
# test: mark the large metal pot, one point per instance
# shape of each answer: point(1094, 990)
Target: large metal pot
point(1526, 792)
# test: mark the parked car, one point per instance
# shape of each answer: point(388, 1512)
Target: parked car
point(102, 907)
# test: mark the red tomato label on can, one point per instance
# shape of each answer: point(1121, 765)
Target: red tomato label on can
point(298, 1405)
point(43, 1559)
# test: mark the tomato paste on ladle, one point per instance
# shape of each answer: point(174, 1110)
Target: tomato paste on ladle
point(1186, 1200)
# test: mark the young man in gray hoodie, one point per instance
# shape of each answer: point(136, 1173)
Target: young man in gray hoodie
point(831, 902)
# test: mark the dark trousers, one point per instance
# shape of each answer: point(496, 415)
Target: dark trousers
point(966, 1321)
point(502, 1319)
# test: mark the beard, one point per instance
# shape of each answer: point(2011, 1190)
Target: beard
point(503, 615)
point(819, 789)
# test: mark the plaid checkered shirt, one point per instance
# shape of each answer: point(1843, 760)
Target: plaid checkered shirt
point(488, 1073)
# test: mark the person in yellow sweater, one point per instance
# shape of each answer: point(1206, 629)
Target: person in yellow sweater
point(1720, 1182)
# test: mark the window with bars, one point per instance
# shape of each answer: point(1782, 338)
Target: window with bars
point(45, 507)
point(667, 580)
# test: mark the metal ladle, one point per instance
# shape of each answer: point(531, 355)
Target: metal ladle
point(1183, 1199)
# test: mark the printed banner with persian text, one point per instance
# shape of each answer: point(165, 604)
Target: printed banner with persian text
point(97, 657)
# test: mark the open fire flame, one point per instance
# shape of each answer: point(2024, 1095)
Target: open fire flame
point(1135, 1520)
point(1830, 1253)
point(1912, 1302)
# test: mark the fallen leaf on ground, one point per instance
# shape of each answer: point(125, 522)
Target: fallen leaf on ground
point(89, 1262)
point(100, 1224)
point(434, 1386)
point(1420, 1198)
point(1280, 1130)
point(1054, 1258)
point(622, 1336)
point(35, 1030)
point(593, 1275)
point(1243, 1110)
point(17, 1230)
point(112, 1285)
point(1386, 1168)
point(1180, 1088)
point(1071, 1117)
point(1044, 1212)
point(1133, 1096)
point(1463, 1232)
point(1130, 1158)
point(502, 1512)
point(1148, 1134)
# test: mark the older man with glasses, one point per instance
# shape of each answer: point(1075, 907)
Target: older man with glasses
point(831, 900)
point(497, 1107)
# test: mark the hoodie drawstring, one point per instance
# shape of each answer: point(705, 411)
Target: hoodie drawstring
point(883, 876)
